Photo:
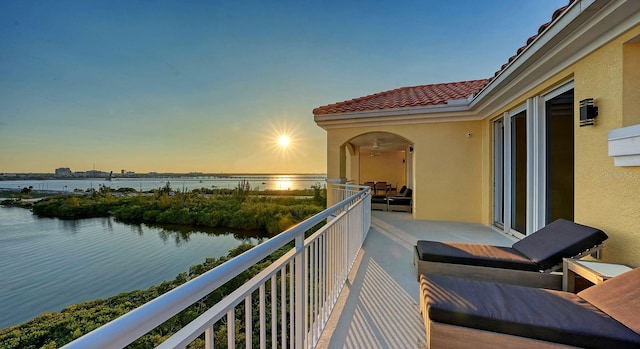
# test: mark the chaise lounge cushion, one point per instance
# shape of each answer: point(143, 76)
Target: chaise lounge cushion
point(560, 238)
point(539, 251)
point(379, 199)
point(552, 316)
point(618, 297)
point(474, 254)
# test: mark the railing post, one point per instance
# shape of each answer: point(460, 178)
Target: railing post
point(300, 292)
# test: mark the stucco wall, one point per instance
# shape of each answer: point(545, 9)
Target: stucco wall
point(447, 166)
point(389, 167)
point(631, 83)
point(607, 196)
point(448, 171)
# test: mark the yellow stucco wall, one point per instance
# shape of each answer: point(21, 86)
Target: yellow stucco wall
point(387, 167)
point(631, 83)
point(606, 196)
point(447, 165)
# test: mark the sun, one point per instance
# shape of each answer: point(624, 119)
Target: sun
point(284, 141)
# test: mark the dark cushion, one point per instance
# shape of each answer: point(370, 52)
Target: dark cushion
point(399, 201)
point(552, 316)
point(474, 254)
point(404, 199)
point(619, 297)
point(559, 239)
point(378, 199)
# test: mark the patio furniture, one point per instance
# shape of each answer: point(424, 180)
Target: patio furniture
point(379, 202)
point(460, 313)
point(381, 188)
point(531, 261)
point(401, 202)
point(371, 185)
point(588, 273)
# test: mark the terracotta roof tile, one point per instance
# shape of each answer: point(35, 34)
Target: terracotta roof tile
point(414, 96)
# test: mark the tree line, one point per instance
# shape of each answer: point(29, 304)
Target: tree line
point(238, 209)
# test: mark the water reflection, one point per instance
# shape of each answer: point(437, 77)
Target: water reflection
point(66, 262)
point(71, 225)
point(181, 234)
point(107, 223)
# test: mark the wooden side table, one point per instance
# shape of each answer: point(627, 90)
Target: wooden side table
point(595, 272)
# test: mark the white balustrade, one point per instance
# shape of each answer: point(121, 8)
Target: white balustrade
point(291, 299)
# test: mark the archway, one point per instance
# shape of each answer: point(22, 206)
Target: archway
point(379, 157)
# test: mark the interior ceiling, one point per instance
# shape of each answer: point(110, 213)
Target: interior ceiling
point(385, 142)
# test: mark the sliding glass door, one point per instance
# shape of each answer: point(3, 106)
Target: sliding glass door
point(518, 171)
point(533, 152)
point(498, 173)
point(559, 194)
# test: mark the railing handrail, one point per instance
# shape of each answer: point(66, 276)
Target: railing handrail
point(135, 324)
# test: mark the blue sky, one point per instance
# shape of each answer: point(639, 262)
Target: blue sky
point(207, 86)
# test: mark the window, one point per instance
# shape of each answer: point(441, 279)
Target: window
point(534, 163)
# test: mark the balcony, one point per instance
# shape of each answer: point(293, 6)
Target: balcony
point(349, 284)
point(379, 304)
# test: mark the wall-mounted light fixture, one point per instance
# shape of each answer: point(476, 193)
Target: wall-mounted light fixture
point(588, 112)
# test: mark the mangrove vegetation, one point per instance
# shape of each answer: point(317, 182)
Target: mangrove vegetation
point(240, 208)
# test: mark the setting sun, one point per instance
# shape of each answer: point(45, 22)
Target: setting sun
point(284, 141)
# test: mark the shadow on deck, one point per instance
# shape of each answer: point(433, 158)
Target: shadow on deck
point(379, 306)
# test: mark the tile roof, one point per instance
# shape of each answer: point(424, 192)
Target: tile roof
point(414, 96)
point(425, 95)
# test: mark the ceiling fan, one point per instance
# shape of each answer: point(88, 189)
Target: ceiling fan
point(376, 144)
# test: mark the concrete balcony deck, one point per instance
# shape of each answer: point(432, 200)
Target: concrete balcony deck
point(378, 307)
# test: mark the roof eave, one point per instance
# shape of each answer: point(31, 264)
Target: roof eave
point(457, 110)
point(569, 38)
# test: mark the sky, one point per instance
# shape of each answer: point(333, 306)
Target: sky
point(210, 86)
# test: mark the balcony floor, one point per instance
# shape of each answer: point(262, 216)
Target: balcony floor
point(378, 307)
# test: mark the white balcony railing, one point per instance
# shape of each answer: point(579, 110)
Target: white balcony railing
point(292, 298)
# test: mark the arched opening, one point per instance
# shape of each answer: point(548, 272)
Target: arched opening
point(379, 157)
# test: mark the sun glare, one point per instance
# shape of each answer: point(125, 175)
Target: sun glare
point(284, 141)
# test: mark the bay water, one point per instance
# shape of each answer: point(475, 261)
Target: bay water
point(258, 182)
point(48, 263)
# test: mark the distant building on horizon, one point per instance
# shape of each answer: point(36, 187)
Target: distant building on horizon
point(63, 172)
point(92, 174)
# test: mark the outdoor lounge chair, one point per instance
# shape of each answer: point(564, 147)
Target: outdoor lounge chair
point(400, 202)
point(529, 262)
point(461, 313)
point(379, 202)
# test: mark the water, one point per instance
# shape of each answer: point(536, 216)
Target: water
point(260, 182)
point(46, 264)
